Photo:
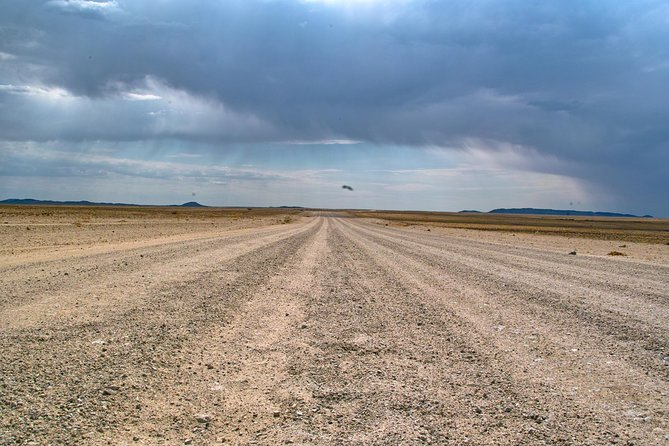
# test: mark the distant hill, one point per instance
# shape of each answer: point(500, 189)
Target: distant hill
point(534, 211)
point(469, 211)
point(31, 201)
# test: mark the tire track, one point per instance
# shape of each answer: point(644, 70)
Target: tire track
point(92, 286)
point(631, 276)
point(236, 373)
point(390, 369)
point(83, 380)
point(627, 276)
point(32, 280)
point(536, 346)
point(628, 321)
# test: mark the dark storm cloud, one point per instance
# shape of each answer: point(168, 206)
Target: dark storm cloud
point(583, 83)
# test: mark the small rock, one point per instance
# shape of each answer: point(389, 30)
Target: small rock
point(573, 253)
point(537, 417)
point(188, 441)
point(135, 438)
point(203, 418)
point(276, 414)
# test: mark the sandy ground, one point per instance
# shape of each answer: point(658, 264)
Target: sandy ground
point(330, 331)
point(650, 252)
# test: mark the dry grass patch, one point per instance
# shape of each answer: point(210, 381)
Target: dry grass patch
point(25, 228)
point(642, 230)
point(115, 214)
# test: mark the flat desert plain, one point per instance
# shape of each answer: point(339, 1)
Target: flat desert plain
point(273, 326)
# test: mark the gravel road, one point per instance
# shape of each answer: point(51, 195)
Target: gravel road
point(333, 331)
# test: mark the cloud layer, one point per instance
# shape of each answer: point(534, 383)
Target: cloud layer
point(576, 89)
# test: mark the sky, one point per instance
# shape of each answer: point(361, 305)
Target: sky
point(416, 104)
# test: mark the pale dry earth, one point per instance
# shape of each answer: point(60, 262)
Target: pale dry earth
point(329, 331)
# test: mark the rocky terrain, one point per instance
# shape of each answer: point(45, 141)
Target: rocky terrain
point(327, 330)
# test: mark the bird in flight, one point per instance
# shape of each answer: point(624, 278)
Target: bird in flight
point(347, 187)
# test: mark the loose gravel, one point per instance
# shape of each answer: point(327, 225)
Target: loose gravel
point(332, 331)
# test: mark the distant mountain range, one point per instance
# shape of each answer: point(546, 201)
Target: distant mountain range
point(30, 201)
point(534, 211)
point(195, 204)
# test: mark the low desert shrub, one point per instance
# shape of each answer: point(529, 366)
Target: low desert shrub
point(616, 253)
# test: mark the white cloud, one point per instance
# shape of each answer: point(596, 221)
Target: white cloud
point(326, 142)
point(130, 96)
point(410, 187)
point(359, 3)
point(185, 155)
point(491, 154)
point(50, 161)
point(85, 5)
point(486, 176)
point(36, 90)
point(146, 109)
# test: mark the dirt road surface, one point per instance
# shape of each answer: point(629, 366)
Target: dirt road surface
point(331, 331)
